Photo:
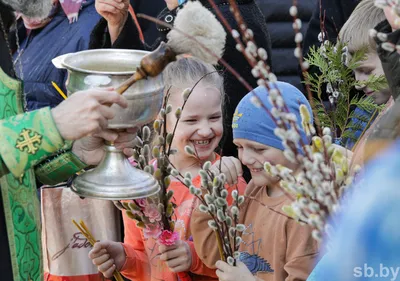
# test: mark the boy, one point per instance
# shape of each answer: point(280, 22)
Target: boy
point(275, 247)
point(355, 33)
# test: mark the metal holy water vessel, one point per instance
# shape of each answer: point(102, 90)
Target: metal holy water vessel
point(115, 178)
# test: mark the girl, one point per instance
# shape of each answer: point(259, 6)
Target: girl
point(200, 127)
point(122, 33)
point(274, 246)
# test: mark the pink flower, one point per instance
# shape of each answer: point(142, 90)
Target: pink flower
point(152, 213)
point(141, 202)
point(168, 238)
point(152, 231)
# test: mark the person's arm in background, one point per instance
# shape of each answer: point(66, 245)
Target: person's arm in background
point(390, 60)
point(116, 29)
point(385, 132)
point(116, 15)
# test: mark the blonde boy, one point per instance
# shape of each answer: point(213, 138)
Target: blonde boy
point(355, 33)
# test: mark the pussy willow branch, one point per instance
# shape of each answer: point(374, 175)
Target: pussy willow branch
point(254, 59)
point(309, 93)
point(174, 130)
point(227, 26)
point(220, 231)
point(322, 20)
point(305, 73)
point(270, 208)
point(236, 220)
point(230, 69)
point(183, 106)
point(243, 28)
point(162, 166)
point(240, 79)
point(222, 228)
point(221, 60)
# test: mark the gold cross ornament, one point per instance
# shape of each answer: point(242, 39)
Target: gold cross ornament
point(29, 141)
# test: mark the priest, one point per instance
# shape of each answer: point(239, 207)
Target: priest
point(38, 145)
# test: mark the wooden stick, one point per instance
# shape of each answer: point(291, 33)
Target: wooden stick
point(125, 86)
point(138, 75)
point(85, 231)
point(220, 249)
point(151, 65)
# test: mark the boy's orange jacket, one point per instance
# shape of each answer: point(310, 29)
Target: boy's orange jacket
point(274, 247)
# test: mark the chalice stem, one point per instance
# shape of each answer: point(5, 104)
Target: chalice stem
point(111, 143)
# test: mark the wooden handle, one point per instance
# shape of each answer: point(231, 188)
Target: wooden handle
point(135, 77)
point(151, 65)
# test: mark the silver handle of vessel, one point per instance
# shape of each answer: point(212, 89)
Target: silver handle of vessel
point(59, 61)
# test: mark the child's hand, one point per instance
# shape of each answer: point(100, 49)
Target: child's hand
point(240, 272)
point(177, 257)
point(231, 167)
point(108, 256)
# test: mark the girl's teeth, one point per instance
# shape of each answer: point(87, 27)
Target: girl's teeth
point(202, 142)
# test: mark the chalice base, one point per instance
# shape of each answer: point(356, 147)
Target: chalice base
point(115, 179)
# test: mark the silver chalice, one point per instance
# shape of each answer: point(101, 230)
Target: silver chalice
point(115, 178)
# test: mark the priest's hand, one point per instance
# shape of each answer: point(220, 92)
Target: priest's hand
point(90, 149)
point(86, 113)
point(115, 12)
point(108, 256)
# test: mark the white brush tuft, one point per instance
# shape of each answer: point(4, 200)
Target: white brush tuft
point(197, 21)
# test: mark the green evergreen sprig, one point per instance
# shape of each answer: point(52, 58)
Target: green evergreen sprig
point(337, 76)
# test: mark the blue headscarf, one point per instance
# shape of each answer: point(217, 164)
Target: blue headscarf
point(253, 123)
